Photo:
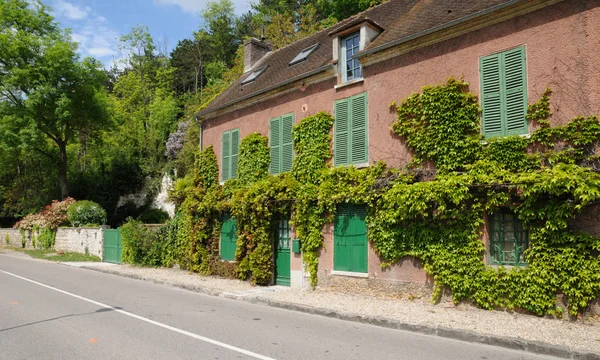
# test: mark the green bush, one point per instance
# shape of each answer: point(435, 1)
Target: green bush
point(46, 238)
point(146, 246)
point(82, 213)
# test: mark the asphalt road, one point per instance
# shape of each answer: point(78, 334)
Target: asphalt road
point(52, 311)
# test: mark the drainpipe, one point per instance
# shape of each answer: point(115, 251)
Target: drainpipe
point(201, 131)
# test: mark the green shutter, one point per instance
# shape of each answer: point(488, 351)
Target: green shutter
point(287, 143)
point(350, 252)
point(228, 238)
point(341, 246)
point(504, 93)
point(274, 148)
point(226, 156)
point(491, 95)
point(516, 91)
point(235, 146)
point(358, 228)
point(358, 139)
point(341, 132)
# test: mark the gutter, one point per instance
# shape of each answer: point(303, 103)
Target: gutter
point(437, 28)
point(272, 87)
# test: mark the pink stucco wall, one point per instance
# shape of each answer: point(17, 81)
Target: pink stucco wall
point(562, 43)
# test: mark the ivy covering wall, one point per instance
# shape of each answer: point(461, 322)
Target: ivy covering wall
point(434, 209)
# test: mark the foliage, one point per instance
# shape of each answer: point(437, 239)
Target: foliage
point(44, 87)
point(51, 217)
point(441, 125)
point(154, 216)
point(147, 246)
point(254, 159)
point(85, 212)
point(46, 238)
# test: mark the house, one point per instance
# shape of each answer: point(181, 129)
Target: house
point(509, 51)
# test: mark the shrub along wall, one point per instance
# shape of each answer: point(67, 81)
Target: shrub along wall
point(433, 210)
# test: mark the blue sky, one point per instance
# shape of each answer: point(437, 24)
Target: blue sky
point(97, 24)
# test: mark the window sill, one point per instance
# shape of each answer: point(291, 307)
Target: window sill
point(507, 267)
point(349, 274)
point(358, 166)
point(348, 83)
point(526, 136)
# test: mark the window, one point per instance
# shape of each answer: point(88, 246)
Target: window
point(350, 238)
point(228, 238)
point(351, 68)
point(508, 239)
point(304, 54)
point(230, 144)
point(281, 145)
point(254, 75)
point(504, 93)
point(350, 131)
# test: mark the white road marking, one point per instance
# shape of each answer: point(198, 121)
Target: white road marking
point(165, 326)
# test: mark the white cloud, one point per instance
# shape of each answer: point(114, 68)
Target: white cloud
point(195, 7)
point(99, 52)
point(70, 10)
point(96, 38)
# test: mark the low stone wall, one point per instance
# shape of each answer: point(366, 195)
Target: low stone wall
point(14, 238)
point(80, 240)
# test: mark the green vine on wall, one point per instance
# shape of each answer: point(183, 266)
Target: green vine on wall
point(435, 214)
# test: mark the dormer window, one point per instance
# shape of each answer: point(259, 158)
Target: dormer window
point(254, 75)
point(304, 54)
point(348, 42)
point(351, 69)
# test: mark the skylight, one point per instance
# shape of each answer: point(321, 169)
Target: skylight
point(304, 54)
point(254, 75)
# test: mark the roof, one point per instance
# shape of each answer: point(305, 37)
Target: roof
point(399, 19)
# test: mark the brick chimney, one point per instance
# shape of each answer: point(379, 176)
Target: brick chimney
point(254, 50)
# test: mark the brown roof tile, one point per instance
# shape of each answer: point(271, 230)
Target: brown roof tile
point(398, 18)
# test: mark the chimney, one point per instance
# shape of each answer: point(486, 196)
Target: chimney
point(254, 50)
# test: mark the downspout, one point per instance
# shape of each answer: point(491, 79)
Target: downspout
point(201, 133)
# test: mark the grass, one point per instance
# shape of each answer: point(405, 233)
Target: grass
point(64, 257)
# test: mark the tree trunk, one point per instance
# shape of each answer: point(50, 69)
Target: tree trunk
point(62, 171)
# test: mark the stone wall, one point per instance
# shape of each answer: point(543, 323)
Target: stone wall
point(14, 238)
point(80, 240)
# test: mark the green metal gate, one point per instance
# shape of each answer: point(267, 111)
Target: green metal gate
point(282, 253)
point(113, 246)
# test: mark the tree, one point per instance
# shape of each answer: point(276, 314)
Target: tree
point(44, 88)
point(220, 21)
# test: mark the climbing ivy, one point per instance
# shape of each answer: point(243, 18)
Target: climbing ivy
point(433, 210)
point(440, 125)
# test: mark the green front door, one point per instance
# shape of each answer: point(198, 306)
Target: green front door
point(113, 246)
point(282, 253)
point(350, 248)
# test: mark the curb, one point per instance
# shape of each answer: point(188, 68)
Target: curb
point(536, 347)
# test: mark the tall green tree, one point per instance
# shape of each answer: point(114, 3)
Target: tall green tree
point(44, 87)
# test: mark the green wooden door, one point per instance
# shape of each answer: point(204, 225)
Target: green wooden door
point(113, 247)
point(282, 253)
point(350, 248)
point(228, 238)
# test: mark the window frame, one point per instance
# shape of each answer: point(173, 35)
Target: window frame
point(344, 62)
point(520, 238)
